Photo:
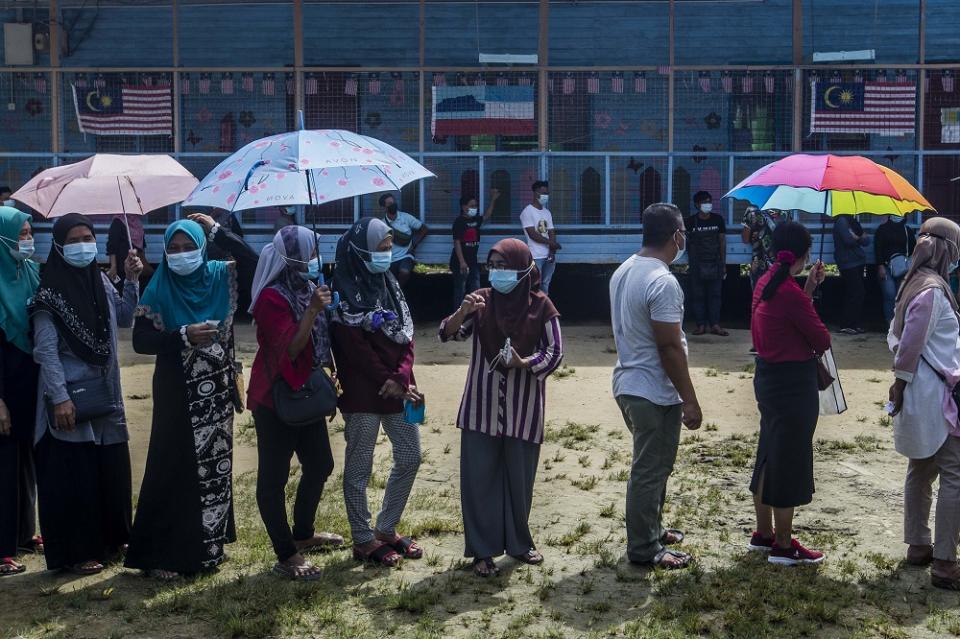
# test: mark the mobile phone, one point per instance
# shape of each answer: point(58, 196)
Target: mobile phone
point(212, 323)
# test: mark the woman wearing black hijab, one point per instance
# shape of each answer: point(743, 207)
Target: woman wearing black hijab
point(83, 468)
point(372, 333)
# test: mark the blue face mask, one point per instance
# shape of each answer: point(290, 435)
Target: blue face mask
point(312, 273)
point(80, 254)
point(680, 252)
point(24, 249)
point(504, 281)
point(379, 261)
point(185, 263)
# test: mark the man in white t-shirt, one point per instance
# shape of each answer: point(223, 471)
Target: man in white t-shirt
point(408, 232)
point(541, 237)
point(651, 382)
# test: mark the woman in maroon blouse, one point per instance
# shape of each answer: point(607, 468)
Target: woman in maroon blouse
point(293, 339)
point(372, 334)
point(788, 335)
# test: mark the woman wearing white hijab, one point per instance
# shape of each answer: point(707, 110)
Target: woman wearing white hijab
point(926, 429)
point(293, 336)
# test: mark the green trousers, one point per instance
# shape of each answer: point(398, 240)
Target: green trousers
point(656, 436)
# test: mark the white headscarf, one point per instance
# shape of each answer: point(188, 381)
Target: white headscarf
point(291, 248)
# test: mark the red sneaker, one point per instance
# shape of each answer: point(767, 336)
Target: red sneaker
point(795, 555)
point(759, 543)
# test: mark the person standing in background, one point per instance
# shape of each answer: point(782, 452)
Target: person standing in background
point(5, 194)
point(537, 224)
point(651, 381)
point(707, 256)
point(408, 232)
point(849, 239)
point(466, 244)
point(757, 231)
point(893, 244)
point(286, 216)
point(126, 232)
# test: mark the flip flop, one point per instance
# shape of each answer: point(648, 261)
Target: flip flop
point(532, 557)
point(719, 331)
point(304, 572)
point(9, 567)
point(85, 569)
point(320, 541)
point(677, 534)
point(657, 562)
point(406, 547)
point(489, 564)
point(35, 545)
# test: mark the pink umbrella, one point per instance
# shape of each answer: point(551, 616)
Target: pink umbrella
point(108, 184)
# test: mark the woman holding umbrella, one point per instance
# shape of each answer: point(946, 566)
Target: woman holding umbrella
point(185, 513)
point(372, 334)
point(83, 465)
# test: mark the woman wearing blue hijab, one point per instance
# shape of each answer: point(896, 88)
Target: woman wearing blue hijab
point(19, 276)
point(185, 513)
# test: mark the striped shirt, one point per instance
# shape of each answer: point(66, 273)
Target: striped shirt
point(510, 403)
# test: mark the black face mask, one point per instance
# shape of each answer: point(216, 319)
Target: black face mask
point(392, 209)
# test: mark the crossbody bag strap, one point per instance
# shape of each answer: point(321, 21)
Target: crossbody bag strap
point(942, 377)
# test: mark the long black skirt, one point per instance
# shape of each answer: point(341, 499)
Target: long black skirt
point(789, 406)
point(85, 500)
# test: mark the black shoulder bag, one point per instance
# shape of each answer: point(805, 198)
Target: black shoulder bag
point(92, 398)
point(307, 405)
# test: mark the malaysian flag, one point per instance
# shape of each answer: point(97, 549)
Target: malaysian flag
point(946, 81)
point(726, 83)
point(769, 83)
point(185, 84)
point(569, 84)
point(246, 82)
point(373, 84)
point(882, 108)
point(502, 80)
point(616, 83)
point(524, 81)
point(40, 83)
point(204, 84)
point(311, 85)
point(126, 110)
point(291, 84)
point(439, 79)
point(746, 83)
point(226, 84)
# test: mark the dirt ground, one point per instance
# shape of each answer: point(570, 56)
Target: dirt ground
point(585, 588)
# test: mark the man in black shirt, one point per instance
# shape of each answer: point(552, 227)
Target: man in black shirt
point(707, 251)
point(893, 244)
point(466, 244)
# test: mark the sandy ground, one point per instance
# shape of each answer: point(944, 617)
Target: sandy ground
point(857, 506)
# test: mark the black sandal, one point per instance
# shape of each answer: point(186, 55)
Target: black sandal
point(532, 557)
point(383, 555)
point(489, 564)
point(406, 547)
point(683, 558)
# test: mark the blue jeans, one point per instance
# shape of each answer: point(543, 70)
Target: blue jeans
point(707, 296)
point(889, 287)
point(463, 284)
point(546, 273)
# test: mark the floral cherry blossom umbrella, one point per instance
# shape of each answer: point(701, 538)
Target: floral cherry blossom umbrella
point(305, 167)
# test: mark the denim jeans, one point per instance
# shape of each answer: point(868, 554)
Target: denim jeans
point(707, 297)
point(546, 273)
point(889, 287)
point(463, 284)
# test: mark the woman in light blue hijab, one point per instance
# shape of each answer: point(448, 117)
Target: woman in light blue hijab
point(185, 514)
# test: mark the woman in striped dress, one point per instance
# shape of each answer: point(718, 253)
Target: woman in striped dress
point(516, 346)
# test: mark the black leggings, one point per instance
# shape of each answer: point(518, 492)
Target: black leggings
point(276, 444)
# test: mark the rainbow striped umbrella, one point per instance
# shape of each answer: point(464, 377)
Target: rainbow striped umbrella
point(830, 185)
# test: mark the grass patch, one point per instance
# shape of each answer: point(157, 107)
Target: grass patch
point(564, 372)
point(572, 434)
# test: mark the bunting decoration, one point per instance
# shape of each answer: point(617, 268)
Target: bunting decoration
point(593, 83)
point(81, 81)
point(769, 83)
point(246, 82)
point(502, 80)
point(704, 81)
point(524, 81)
point(311, 85)
point(439, 79)
point(350, 85)
point(204, 84)
point(858, 76)
point(746, 83)
point(616, 82)
point(226, 84)
point(373, 84)
point(291, 84)
point(726, 81)
point(397, 97)
point(268, 84)
point(184, 84)
point(946, 81)
point(99, 82)
point(40, 83)
point(640, 82)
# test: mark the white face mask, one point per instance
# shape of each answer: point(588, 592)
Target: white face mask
point(24, 250)
point(543, 199)
point(472, 212)
point(186, 262)
point(680, 251)
point(707, 207)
